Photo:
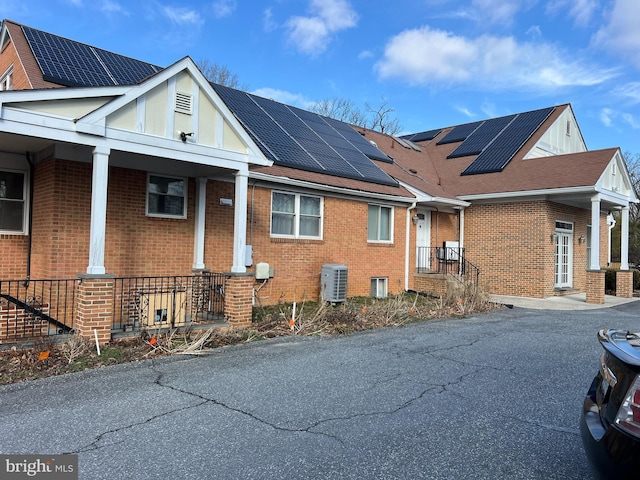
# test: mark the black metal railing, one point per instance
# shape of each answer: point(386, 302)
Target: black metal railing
point(30, 309)
point(167, 302)
point(447, 261)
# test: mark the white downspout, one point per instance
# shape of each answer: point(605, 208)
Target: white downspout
point(407, 255)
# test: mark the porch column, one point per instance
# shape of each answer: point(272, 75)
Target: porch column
point(99, 182)
point(624, 240)
point(198, 241)
point(240, 221)
point(594, 258)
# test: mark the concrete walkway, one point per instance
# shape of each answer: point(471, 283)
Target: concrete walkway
point(567, 302)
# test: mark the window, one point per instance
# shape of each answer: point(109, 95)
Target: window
point(166, 196)
point(379, 287)
point(379, 224)
point(13, 198)
point(6, 81)
point(296, 215)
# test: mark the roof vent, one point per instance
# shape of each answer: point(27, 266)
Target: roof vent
point(183, 103)
point(373, 143)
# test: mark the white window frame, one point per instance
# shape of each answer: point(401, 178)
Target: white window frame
point(381, 285)
point(297, 216)
point(185, 197)
point(377, 234)
point(6, 80)
point(25, 203)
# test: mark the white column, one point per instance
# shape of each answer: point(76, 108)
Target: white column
point(594, 261)
point(99, 182)
point(199, 228)
point(624, 240)
point(240, 221)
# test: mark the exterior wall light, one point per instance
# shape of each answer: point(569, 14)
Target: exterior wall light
point(415, 219)
point(582, 239)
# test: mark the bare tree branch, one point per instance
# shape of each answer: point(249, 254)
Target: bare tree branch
point(220, 74)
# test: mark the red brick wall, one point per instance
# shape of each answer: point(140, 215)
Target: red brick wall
point(13, 256)
point(298, 263)
point(511, 244)
point(8, 58)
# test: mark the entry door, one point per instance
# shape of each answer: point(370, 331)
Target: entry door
point(423, 241)
point(564, 260)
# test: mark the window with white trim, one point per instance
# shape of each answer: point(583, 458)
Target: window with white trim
point(166, 196)
point(295, 215)
point(379, 287)
point(379, 224)
point(13, 201)
point(6, 80)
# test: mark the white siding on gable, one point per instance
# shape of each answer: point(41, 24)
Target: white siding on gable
point(614, 177)
point(561, 138)
point(124, 118)
point(156, 111)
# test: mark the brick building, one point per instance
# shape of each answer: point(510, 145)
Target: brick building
point(126, 169)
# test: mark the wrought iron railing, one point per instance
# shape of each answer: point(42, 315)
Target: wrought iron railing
point(167, 302)
point(448, 261)
point(30, 309)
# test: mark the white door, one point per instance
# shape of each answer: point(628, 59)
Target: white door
point(564, 260)
point(423, 241)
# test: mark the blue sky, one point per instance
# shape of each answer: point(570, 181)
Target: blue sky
point(436, 62)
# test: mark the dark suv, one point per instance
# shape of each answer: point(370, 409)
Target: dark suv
point(610, 422)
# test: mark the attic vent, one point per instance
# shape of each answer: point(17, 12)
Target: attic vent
point(183, 103)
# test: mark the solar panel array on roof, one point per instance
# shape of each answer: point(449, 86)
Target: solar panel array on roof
point(500, 152)
point(295, 138)
point(70, 63)
point(422, 136)
point(459, 133)
point(478, 140)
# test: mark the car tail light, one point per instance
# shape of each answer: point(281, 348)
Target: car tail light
point(628, 417)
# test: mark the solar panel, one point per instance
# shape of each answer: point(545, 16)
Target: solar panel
point(459, 133)
point(296, 138)
point(482, 136)
point(71, 63)
point(422, 136)
point(358, 140)
point(497, 155)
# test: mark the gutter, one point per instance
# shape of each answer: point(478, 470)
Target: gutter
point(407, 255)
point(30, 210)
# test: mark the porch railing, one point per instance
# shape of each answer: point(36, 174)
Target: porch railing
point(36, 308)
point(167, 302)
point(448, 261)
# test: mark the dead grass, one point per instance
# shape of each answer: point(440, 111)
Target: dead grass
point(309, 318)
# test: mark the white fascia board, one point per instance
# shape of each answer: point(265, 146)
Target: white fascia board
point(615, 198)
point(422, 197)
point(528, 193)
point(330, 189)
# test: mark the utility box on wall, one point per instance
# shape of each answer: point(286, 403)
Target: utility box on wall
point(333, 283)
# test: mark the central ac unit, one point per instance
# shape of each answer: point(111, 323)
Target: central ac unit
point(333, 283)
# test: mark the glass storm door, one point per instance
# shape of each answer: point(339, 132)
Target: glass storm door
point(563, 260)
point(423, 232)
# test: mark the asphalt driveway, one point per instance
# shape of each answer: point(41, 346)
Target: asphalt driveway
point(495, 395)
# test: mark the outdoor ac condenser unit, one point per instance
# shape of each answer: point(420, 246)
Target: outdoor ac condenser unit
point(333, 283)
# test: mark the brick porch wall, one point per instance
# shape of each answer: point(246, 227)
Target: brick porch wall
point(595, 286)
point(624, 283)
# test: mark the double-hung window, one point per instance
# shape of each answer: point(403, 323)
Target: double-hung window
point(379, 224)
point(295, 215)
point(166, 196)
point(13, 201)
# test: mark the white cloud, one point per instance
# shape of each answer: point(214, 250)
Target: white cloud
point(282, 96)
point(363, 55)
point(427, 56)
point(606, 115)
point(267, 20)
point(223, 8)
point(621, 35)
point(311, 35)
point(630, 120)
point(629, 92)
point(109, 6)
point(582, 11)
point(182, 16)
point(465, 111)
point(495, 11)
